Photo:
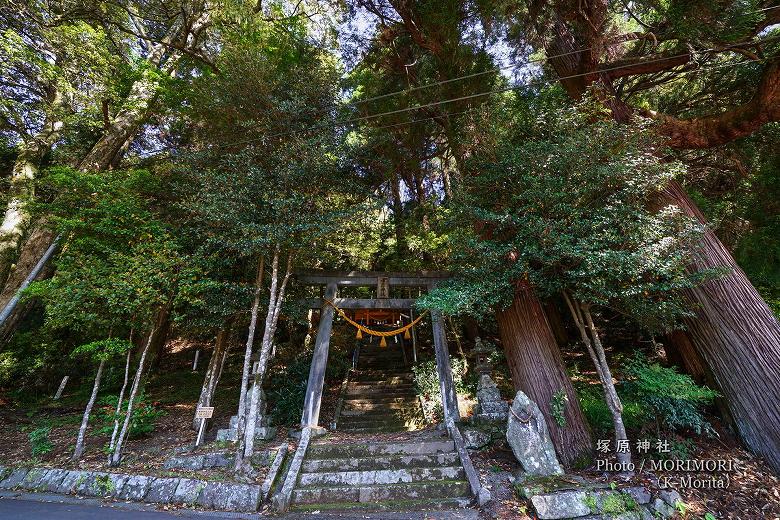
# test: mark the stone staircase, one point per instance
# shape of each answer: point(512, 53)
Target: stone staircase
point(364, 465)
point(391, 475)
point(380, 396)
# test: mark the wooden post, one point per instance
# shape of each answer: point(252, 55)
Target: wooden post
point(195, 363)
point(414, 336)
point(311, 406)
point(449, 396)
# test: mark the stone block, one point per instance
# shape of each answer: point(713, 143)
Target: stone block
point(14, 479)
point(564, 504)
point(136, 488)
point(218, 460)
point(51, 482)
point(33, 479)
point(100, 484)
point(229, 497)
point(475, 438)
point(70, 481)
point(161, 490)
point(670, 496)
point(187, 462)
point(187, 491)
point(640, 494)
point(660, 507)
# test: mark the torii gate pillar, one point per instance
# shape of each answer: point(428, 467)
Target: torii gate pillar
point(319, 362)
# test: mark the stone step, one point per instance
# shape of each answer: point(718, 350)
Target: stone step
point(380, 413)
point(381, 385)
point(380, 477)
point(380, 462)
point(382, 374)
point(324, 450)
point(388, 380)
point(363, 405)
point(387, 391)
point(387, 425)
point(406, 491)
point(355, 402)
point(374, 429)
point(423, 504)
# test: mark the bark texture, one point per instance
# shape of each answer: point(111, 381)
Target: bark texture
point(592, 341)
point(21, 190)
point(213, 371)
point(738, 336)
point(272, 318)
point(119, 401)
point(116, 456)
point(537, 369)
point(250, 340)
point(79, 449)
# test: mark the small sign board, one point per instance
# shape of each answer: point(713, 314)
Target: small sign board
point(204, 412)
point(383, 287)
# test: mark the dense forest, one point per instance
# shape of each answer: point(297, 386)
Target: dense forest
point(599, 179)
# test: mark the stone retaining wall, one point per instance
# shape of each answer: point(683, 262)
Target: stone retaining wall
point(574, 499)
point(225, 496)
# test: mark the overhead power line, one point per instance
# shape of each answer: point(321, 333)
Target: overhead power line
point(532, 82)
point(509, 67)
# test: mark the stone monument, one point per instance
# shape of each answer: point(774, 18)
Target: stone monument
point(490, 407)
point(263, 428)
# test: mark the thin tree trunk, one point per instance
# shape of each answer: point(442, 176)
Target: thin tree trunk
point(212, 371)
point(116, 455)
point(241, 423)
point(79, 450)
point(119, 402)
point(537, 369)
point(272, 318)
point(592, 342)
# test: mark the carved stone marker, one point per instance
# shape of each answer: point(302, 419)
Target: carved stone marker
point(490, 407)
point(263, 428)
point(529, 438)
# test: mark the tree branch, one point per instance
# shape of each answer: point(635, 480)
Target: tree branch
point(706, 132)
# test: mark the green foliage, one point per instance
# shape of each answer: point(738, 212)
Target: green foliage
point(288, 387)
point(666, 396)
point(426, 380)
point(103, 349)
point(558, 407)
point(598, 414)
point(563, 203)
point(142, 420)
point(40, 444)
point(121, 261)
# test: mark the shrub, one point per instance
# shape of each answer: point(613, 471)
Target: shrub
point(142, 421)
point(40, 443)
point(288, 388)
point(597, 413)
point(426, 380)
point(671, 399)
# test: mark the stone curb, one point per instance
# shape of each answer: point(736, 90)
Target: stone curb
point(222, 496)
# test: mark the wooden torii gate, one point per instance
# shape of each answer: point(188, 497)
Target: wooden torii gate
point(332, 280)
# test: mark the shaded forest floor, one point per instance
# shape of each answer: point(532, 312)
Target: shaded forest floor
point(753, 492)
